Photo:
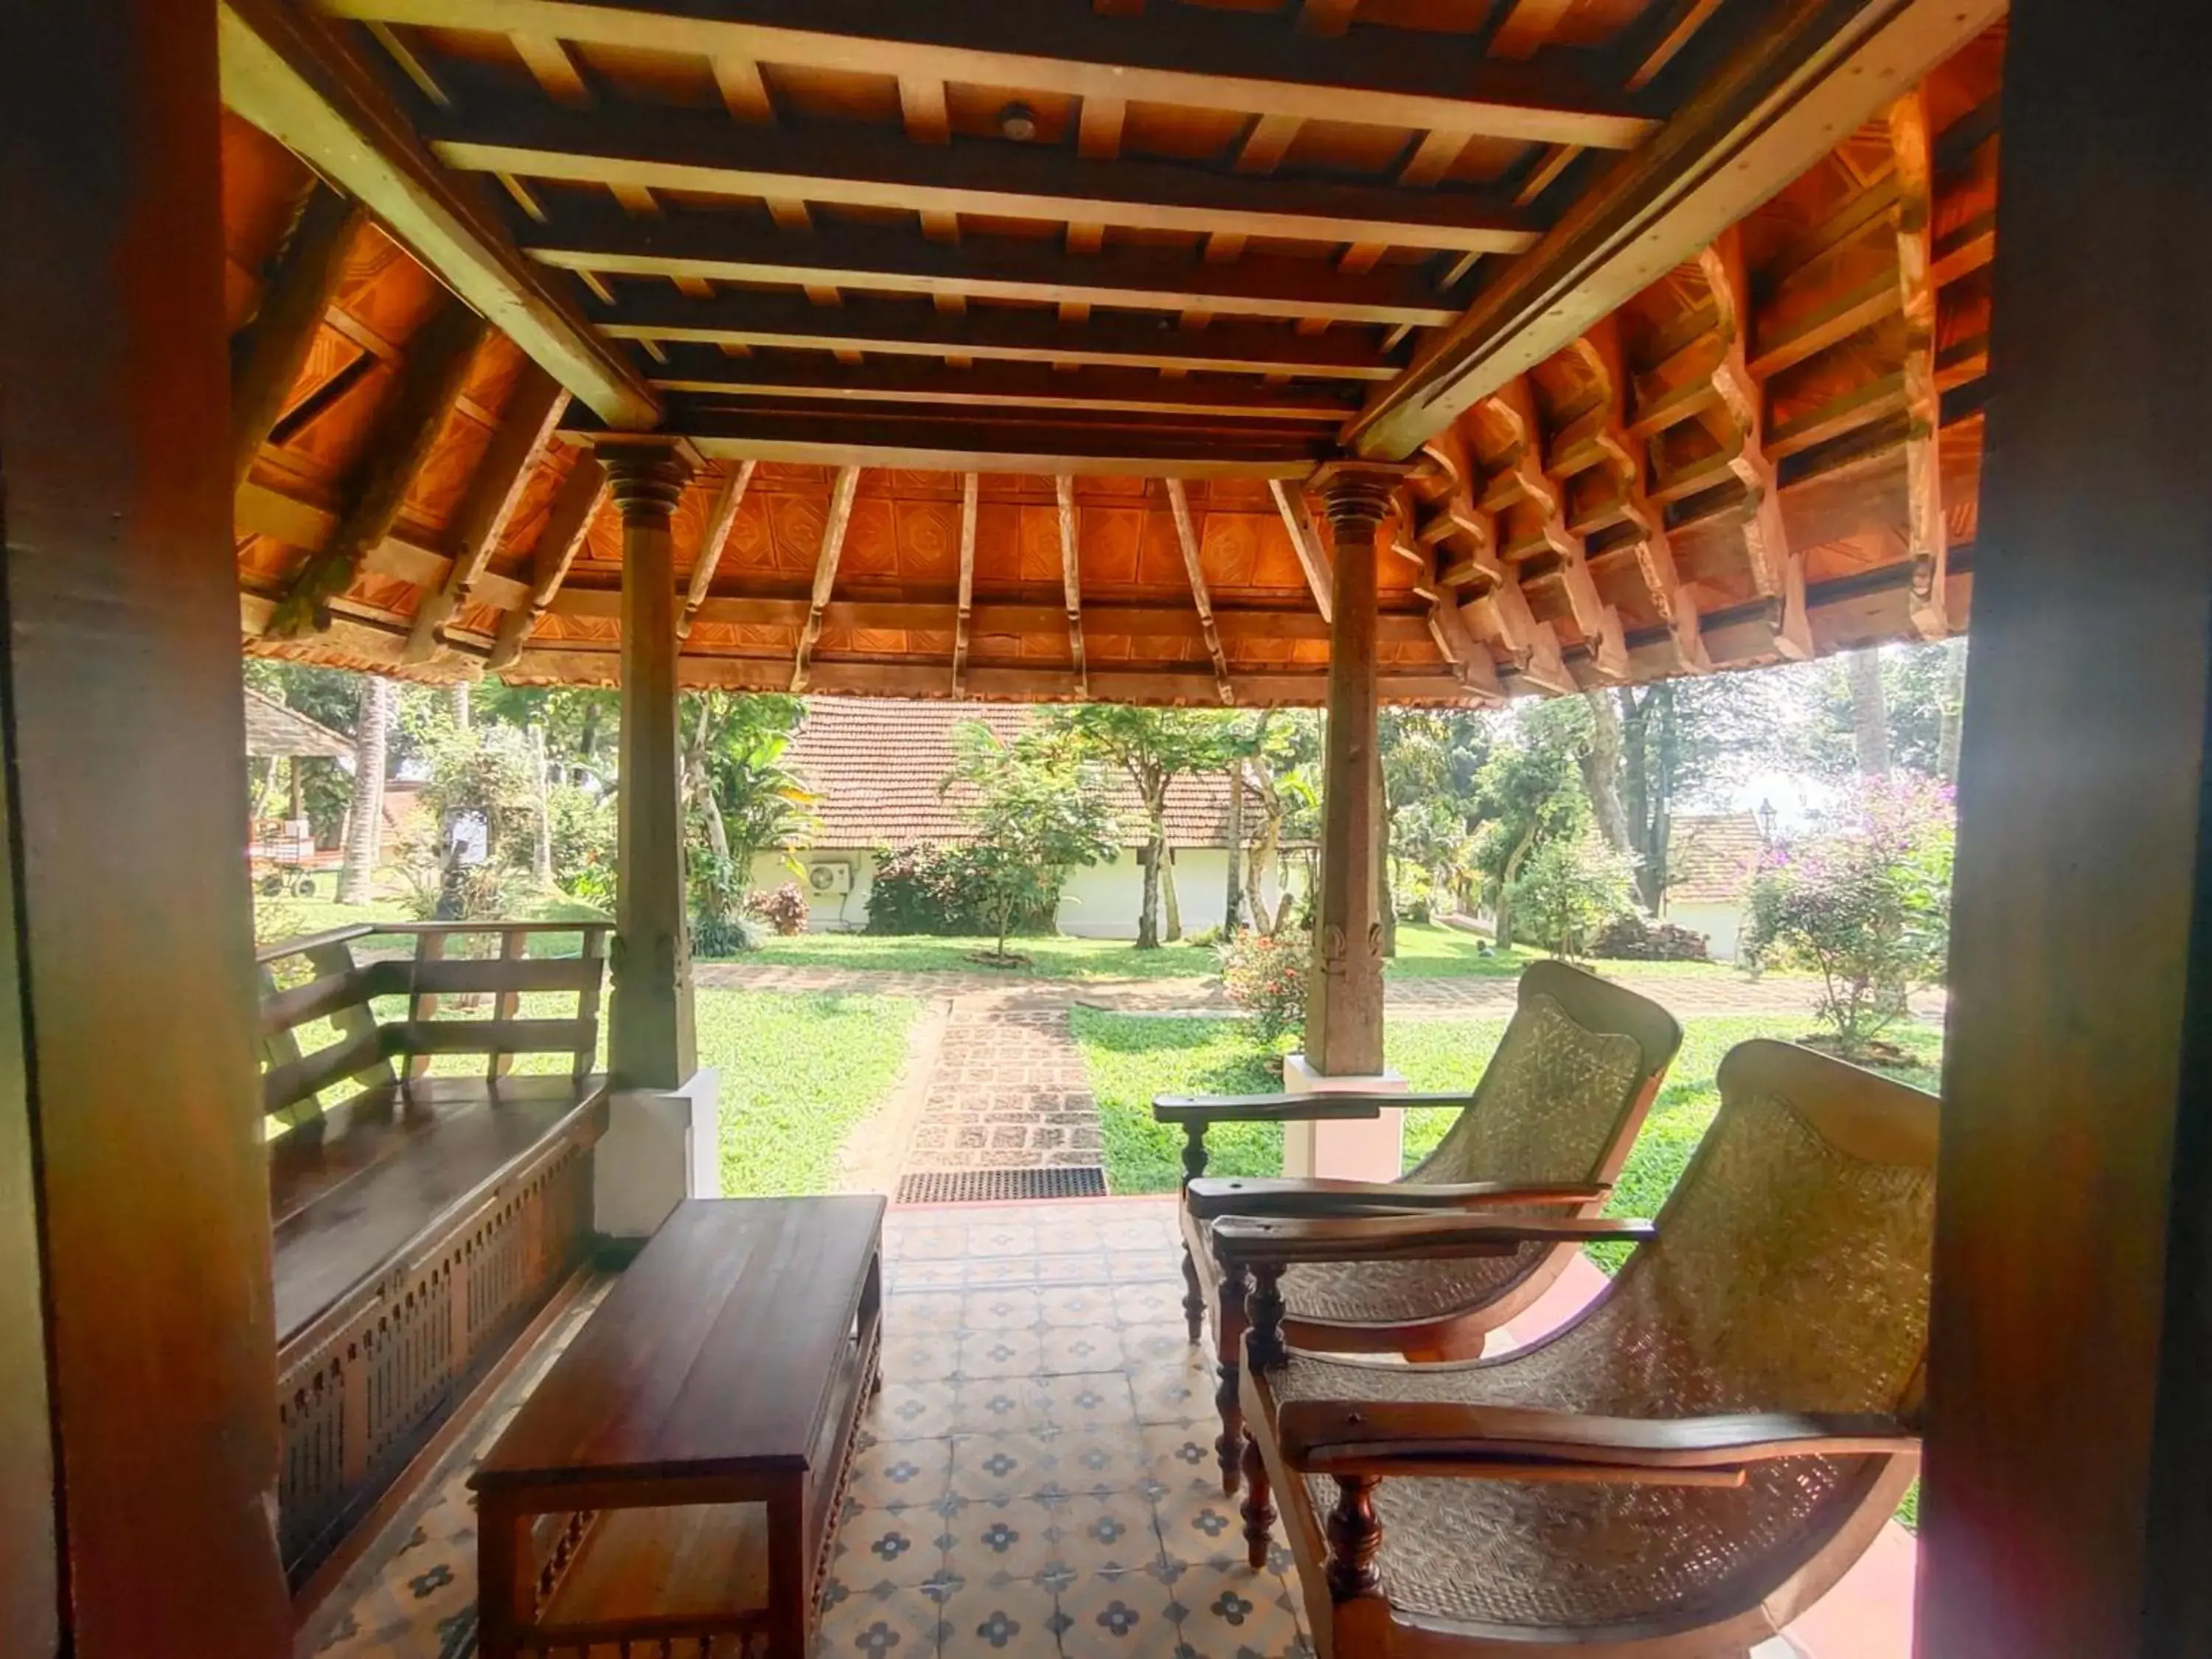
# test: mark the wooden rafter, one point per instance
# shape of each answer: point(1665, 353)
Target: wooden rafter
point(1599, 623)
point(1925, 535)
point(1193, 58)
point(526, 431)
point(1243, 347)
point(965, 611)
point(438, 359)
point(1777, 572)
point(1305, 541)
point(1071, 577)
point(268, 357)
point(1802, 74)
point(825, 572)
point(1186, 539)
point(586, 236)
point(1448, 628)
point(717, 540)
point(696, 150)
point(567, 523)
point(1002, 384)
point(1499, 606)
point(289, 74)
point(958, 443)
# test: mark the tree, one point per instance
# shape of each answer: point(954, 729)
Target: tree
point(1682, 740)
point(1568, 890)
point(1152, 747)
point(1913, 689)
point(742, 798)
point(1038, 811)
point(364, 840)
point(1431, 759)
point(1530, 791)
point(1870, 712)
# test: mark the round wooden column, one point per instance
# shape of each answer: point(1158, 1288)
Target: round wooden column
point(651, 1044)
point(1344, 994)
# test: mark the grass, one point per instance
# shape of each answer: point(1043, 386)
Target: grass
point(1425, 951)
point(799, 1072)
point(1131, 1058)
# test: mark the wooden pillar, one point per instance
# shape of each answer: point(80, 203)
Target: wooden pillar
point(2068, 1428)
point(138, 1448)
point(650, 1043)
point(1344, 993)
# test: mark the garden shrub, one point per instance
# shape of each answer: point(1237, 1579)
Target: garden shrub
point(942, 889)
point(1564, 893)
point(787, 909)
point(1628, 938)
point(723, 936)
point(1266, 976)
point(1866, 905)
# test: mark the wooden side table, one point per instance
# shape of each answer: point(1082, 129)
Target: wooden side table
point(677, 1475)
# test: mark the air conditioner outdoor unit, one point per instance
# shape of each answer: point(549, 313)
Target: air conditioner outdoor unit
point(829, 879)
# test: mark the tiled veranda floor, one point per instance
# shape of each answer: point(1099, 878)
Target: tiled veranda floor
point(1036, 1477)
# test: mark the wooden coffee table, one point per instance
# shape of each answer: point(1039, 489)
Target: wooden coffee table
point(677, 1473)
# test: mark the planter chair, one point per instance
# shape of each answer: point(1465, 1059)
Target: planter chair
point(1544, 1133)
point(1679, 1472)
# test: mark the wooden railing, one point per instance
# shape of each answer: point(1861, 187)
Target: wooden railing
point(360, 1027)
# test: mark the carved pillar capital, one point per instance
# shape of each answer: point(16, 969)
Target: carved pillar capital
point(646, 476)
point(1356, 496)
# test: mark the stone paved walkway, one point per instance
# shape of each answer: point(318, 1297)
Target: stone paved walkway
point(1009, 1091)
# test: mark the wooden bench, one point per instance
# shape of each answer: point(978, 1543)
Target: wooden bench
point(673, 1482)
point(429, 1194)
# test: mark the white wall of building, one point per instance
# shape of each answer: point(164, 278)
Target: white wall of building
point(1098, 902)
point(1721, 923)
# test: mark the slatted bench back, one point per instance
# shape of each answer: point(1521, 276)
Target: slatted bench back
point(320, 1028)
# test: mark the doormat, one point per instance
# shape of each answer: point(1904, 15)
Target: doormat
point(1000, 1185)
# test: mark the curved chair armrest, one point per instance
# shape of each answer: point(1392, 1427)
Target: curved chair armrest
point(1434, 1437)
point(1284, 1108)
point(1257, 1241)
point(1226, 1195)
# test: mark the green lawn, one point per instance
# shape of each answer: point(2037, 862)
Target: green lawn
point(1131, 1058)
point(1425, 951)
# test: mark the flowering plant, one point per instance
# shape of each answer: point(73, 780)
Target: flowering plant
point(1266, 976)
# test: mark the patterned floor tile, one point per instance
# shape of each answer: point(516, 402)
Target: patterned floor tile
point(1004, 1466)
point(900, 1623)
point(1085, 1400)
point(1199, 1525)
point(998, 1405)
point(1234, 1613)
point(1016, 1617)
point(988, 1540)
point(883, 1548)
point(1128, 1615)
point(1001, 1308)
point(911, 1411)
point(1001, 1353)
point(1114, 1532)
point(901, 1474)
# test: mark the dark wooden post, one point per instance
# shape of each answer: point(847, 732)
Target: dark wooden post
point(137, 1418)
point(650, 1043)
point(1344, 994)
point(2069, 1413)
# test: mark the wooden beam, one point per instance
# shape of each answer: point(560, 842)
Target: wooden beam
point(806, 437)
point(962, 616)
point(1002, 384)
point(1777, 572)
point(268, 354)
point(438, 360)
point(825, 572)
point(1186, 539)
point(1925, 535)
point(1627, 458)
point(1305, 541)
point(1199, 59)
point(1071, 578)
point(735, 247)
point(1599, 623)
point(525, 432)
point(711, 549)
point(1804, 71)
point(287, 73)
point(1037, 337)
point(567, 523)
point(699, 151)
point(1527, 25)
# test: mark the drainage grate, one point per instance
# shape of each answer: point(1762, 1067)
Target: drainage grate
point(1000, 1185)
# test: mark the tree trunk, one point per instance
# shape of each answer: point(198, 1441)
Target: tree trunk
point(296, 782)
point(1601, 764)
point(541, 853)
point(1169, 900)
point(1148, 904)
point(1665, 763)
point(1954, 708)
point(1636, 792)
point(588, 740)
point(1386, 908)
point(1870, 712)
point(461, 704)
point(1232, 905)
point(365, 827)
point(1501, 910)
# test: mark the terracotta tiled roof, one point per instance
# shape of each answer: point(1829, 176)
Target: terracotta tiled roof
point(875, 765)
point(1712, 858)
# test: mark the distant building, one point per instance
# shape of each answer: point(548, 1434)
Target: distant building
point(1711, 858)
point(875, 767)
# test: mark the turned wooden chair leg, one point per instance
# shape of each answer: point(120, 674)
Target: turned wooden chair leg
point(1193, 1299)
point(1258, 1508)
point(1229, 1449)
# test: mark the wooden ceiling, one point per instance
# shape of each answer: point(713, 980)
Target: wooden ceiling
point(1008, 334)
